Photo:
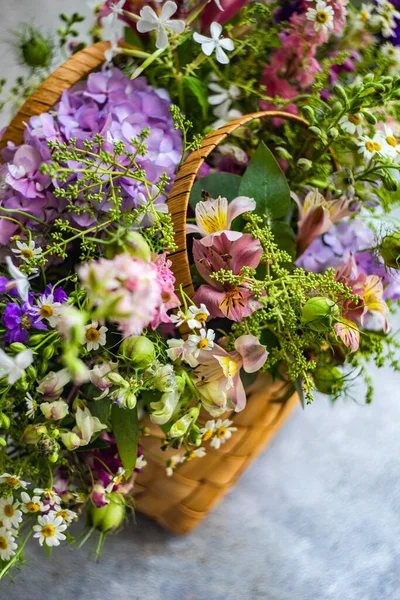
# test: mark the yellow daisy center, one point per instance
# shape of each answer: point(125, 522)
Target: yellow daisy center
point(377, 146)
point(48, 531)
point(12, 481)
point(92, 334)
point(364, 16)
point(391, 141)
point(201, 317)
point(32, 507)
point(208, 434)
point(9, 510)
point(27, 253)
point(322, 17)
point(221, 432)
point(190, 456)
point(46, 311)
point(370, 146)
point(63, 514)
point(355, 119)
point(203, 343)
point(3, 543)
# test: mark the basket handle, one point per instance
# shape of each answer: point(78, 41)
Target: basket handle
point(178, 201)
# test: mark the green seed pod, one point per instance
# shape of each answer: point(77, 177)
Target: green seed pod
point(369, 117)
point(36, 339)
point(5, 421)
point(337, 107)
point(390, 182)
point(333, 133)
point(17, 347)
point(48, 352)
point(139, 350)
point(316, 131)
point(283, 153)
point(328, 379)
point(108, 517)
point(31, 373)
point(390, 250)
point(318, 313)
point(341, 92)
point(308, 113)
point(3, 442)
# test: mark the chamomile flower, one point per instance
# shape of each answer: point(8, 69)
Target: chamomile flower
point(208, 430)
point(215, 43)
point(370, 147)
point(13, 481)
point(67, 515)
point(203, 341)
point(365, 13)
point(180, 318)
point(352, 123)
point(10, 515)
point(172, 463)
point(7, 544)
point(49, 309)
point(116, 480)
point(31, 406)
point(223, 432)
point(196, 453)
point(27, 251)
point(322, 16)
point(32, 505)
point(141, 462)
point(50, 529)
point(52, 498)
point(198, 315)
point(390, 143)
point(95, 336)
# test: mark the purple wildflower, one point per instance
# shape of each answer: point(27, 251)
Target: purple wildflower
point(18, 320)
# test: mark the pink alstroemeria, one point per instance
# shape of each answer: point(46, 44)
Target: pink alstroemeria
point(215, 216)
point(234, 303)
point(349, 333)
point(317, 215)
point(224, 367)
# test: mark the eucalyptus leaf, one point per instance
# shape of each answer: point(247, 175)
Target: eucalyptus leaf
point(264, 181)
point(217, 184)
point(125, 428)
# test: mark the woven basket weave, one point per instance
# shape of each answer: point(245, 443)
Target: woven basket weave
point(181, 501)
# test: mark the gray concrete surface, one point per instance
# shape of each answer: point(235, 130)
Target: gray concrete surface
point(315, 518)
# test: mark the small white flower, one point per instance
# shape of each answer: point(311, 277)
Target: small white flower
point(223, 431)
point(390, 144)
point(215, 43)
point(49, 310)
point(49, 495)
point(49, 529)
point(32, 505)
point(114, 49)
point(117, 9)
point(172, 463)
point(197, 453)
point(197, 316)
point(150, 21)
point(27, 251)
point(21, 280)
point(352, 123)
point(13, 481)
point(179, 318)
point(141, 462)
point(208, 430)
point(221, 96)
point(31, 406)
point(116, 480)
point(10, 515)
point(322, 15)
point(67, 515)
point(94, 337)
point(365, 13)
point(203, 341)
point(178, 348)
point(13, 367)
point(7, 544)
point(370, 147)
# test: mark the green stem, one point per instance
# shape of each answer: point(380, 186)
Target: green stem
point(16, 555)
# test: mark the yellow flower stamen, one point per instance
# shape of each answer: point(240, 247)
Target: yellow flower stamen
point(46, 311)
point(3, 543)
point(9, 510)
point(322, 17)
point(32, 507)
point(203, 343)
point(377, 146)
point(27, 253)
point(208, 434)
point(48, 531)
point(221, 432)
point(12, 481)
point(92, 334)
point(355, 119)
point(391, 141)
point(370, 146)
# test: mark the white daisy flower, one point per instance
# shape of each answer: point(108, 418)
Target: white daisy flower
point(178, 348)
point(322, 15)
point(215, 43)
point(197, 316)
point(208, 430)
point(203, 341)
point(95, 337)
point(116, 480)
point(10, 515)
point(223, 431)
point(32, 505)
point(67, 515)
point(162, 24)
point(197, 453)
point(49, 310)
point(7, 544)
point(352, 123)
point(21, 280)
point(179, 318)
point(31, 406)
point(13, 481)
point(365, 13)
point(370, 147)
point(27, 251)
point(390, 143)
point(49, 529)
point(172, 463)
point(141, 462)
point(50, 495)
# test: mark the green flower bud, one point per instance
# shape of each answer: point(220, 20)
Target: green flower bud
point(369, 117)
point(283, 153)
point(337, 107)
point(328, 379)
point(390, 182)
point(35, 50)
point(17, 347)
point(341, 92)
point(318, 313)
point(309, 113)
point(139, 349)
point(333, 132)
point(36, 339)
point(33, 433)
point(316, 131)
point(5, 421)
point(180, 427)
point(48, 352)
point(133, 243)
point(390, 250)
point(70, 440)
point(304, 164)
point(108, 517)
point(53, 458)
point(3, 442)
point(117, 379)
point(31, 372)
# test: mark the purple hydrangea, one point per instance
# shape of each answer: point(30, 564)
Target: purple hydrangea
point(335, 247)
point(107, 103)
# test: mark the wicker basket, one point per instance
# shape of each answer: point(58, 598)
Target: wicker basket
point(181, 501)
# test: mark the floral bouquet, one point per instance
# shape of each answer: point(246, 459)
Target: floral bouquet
point(293, 251)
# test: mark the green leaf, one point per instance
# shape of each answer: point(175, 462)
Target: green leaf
point(125, 428)
point(265, 182)
point(132, 38)
point(199, 91)
point(217, 184)
point(284, 237)
point(101, 408)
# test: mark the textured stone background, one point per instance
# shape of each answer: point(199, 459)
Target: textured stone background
point(315, 518)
